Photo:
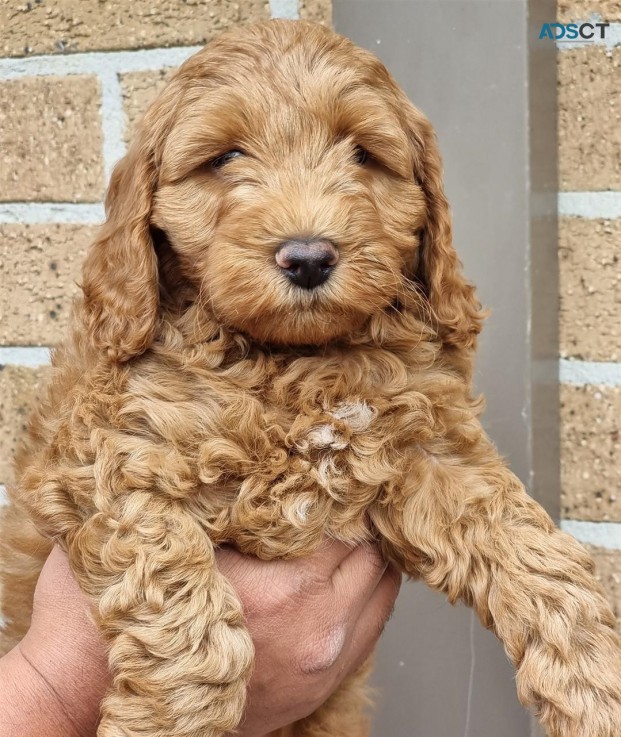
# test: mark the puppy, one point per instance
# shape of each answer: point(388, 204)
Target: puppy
point(274, 344)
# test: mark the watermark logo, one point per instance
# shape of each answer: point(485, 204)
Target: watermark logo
point(573, 32)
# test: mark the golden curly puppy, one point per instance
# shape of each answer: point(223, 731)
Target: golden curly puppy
point(274, 344)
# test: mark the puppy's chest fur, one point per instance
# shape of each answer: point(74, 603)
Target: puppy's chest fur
point(271, 452)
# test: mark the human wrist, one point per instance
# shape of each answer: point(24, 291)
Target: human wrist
point(28, 705)
point(73, 671)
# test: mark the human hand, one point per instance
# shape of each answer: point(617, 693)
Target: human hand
point(313, 621)
point(52, 683)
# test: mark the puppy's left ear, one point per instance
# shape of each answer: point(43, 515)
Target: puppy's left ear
point(120, 274)
point(120, 279)
point(452, 298)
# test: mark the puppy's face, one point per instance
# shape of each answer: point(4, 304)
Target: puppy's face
point(286, 188)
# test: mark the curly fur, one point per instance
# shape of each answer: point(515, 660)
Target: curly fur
point(202, 398)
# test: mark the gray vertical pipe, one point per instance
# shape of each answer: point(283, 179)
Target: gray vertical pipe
point(478, 70)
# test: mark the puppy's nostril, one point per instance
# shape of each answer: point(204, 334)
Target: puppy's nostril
point(307, 263)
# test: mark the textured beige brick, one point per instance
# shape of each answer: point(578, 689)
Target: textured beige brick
point(139, 91)
point(55, 26)
point(50, 139)
point(608, 10)
point(317, 10)
point(39, 268)
point(608, 563)
point(18, 391)
point(590, 289)
point(589, 119)
point(591, 452)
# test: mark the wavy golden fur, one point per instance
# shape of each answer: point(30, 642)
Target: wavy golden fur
point(201, 398)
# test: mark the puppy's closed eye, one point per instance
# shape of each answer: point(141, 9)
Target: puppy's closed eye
point(225, 158)
point(361, 155)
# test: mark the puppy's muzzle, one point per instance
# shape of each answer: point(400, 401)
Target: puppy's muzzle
point(307, 263)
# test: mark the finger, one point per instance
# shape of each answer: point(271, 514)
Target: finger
point(228, 558)
point(57, 559)
point(372, 620)
point(244, 572)
point(56, 581)
point(323, 561)
point(328, 557)
point(358, 576)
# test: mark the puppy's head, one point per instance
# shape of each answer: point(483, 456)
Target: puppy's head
point(297, 189)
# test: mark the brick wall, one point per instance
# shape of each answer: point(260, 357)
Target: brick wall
point(75, 75)
point(590, 288)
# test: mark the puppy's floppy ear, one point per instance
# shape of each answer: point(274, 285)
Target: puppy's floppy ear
point(119, 277)
point(451, 297)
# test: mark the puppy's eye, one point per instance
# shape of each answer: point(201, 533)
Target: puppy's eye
point(361, 155)
point(224, 159)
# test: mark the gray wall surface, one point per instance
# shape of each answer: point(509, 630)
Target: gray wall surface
point(478, 71)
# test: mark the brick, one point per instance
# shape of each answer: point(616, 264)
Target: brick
point(591, 453)
point(589, 104)
point(608, 565)
point(139, 90)
point(317, 10)
point(590, 289)
point(50, 139)
point(39, 268)
point(19, 387)
point(573, 10)
point(59, 26)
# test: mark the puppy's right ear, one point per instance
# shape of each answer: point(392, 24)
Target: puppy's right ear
point(120, 274)
point(452, 298)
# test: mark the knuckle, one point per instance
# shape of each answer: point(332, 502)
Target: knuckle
point(307, 584)
point(291, 594)
point(373, 559)
point(394, 576)
point(391, 592)
point(324, 651)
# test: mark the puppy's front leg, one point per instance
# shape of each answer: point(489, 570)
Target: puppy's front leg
point(467, 526)
point(178, 649)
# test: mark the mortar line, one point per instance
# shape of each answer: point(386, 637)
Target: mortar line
point(112, 121)
point(577, 373)
point(27, 356)
point(602, 534)
point(96, 62)
point(604, 205)
point(34, 213)
point(591, 205)
point(597, 373)
point(288, 9)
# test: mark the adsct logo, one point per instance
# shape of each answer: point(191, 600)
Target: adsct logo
point(568, 32)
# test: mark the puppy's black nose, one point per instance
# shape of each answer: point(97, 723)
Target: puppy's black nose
point(307, 263)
